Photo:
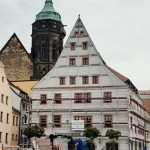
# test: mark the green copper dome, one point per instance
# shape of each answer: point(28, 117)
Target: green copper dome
point(48, 12)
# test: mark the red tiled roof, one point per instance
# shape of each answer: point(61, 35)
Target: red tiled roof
point(120, 76)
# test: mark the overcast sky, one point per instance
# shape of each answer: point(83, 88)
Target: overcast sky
point(120, 30)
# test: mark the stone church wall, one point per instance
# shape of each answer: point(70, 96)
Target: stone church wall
point(17, 61)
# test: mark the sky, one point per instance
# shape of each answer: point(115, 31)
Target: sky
point(120, 30)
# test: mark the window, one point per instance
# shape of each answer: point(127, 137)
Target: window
point(107, 97)
point(72, 46)
point(43, 121)
point(95, 79)
point(2, 98)
point(76, 34)
point(82, 97)
point(6, 100)
point(85, 44)
point(81, 33)
point(131, 122)
point(78, 97)
point(12, 136)
point(54, 50)
point(16, 137)
point(43, 99)
point(17, 121)
point(13, 120)
point(72, 80)
point(57, 98)
point(87, 97)
point(72, 61)
point(85, 80)
point(0, 137)
point(43, 50)
point(87, 120)
point(2, 79)
point(62, 81)
point(85, 61)
point(1, 117)
point(108, 121)
point(7, 119)
point(6, 138)
point(57, 121)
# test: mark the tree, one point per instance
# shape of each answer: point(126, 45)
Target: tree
point(34, 131)
point(113, 134)
point(91, 132)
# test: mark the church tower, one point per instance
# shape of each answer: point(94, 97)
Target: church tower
point(47, 40)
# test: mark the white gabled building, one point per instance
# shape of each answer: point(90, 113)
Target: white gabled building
point(82, 87)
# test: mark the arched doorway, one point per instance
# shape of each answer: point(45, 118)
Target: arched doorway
point(111, 146)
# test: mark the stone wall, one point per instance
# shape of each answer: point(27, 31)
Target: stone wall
point(17, 61)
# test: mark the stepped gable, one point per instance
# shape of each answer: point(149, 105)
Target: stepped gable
point(17, 61)
point(78, 47)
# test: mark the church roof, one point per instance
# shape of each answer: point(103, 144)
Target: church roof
point(48, 12)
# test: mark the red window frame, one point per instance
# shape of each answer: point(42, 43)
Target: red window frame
point(72, 46)
point(95, 80)
point(87, 97)
point(72, 61)
point(57, 121)
point(85, 45)
point(78, 98)
point(81, 33)
point(108, 119)
point(87, 120)
point(43, 121)
point(72, 80)
point(62, 80)
point(82, 97)
point(85, 80)
point(85, 61)
point(107, 97)
point(58, 99)
point(76, 34)
point(43, 99)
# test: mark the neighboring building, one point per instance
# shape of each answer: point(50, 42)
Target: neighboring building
point(82, 91)
point(15, 126)
point(5, 109)
point(145, 95)
point(47, 43)
point(22, 103)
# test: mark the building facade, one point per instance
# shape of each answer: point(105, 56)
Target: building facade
point(21, 103)
point(5, 109)
point(82, 88)
point(145, 95)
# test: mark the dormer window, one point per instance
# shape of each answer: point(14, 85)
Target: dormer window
point(81, 33)
point(85, 44)
point(72, 46)
point(76, 34)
